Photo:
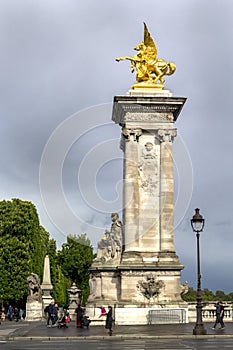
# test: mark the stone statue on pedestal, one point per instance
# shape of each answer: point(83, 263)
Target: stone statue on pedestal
point(34, 288)
point(34, 299)
point(110, 246)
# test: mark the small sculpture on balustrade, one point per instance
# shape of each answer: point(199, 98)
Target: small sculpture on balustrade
point(184, 288)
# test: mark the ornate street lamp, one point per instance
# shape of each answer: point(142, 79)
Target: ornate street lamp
point(197, 223)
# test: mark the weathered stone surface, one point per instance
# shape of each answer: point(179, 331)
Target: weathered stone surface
point(147, 272)
point(34, 311)
point(46, 285)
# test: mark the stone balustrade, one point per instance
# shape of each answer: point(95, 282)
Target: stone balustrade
point(208, 311)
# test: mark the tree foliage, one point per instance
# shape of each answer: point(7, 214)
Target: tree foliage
point(59, 281)
point(207, 295)
point(75, 259)
point(21, 248)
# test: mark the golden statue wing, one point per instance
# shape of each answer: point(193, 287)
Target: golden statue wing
point(149, 42)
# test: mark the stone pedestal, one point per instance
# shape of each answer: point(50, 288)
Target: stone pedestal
point(34, 311)
point(74, 300)
point(147, 273)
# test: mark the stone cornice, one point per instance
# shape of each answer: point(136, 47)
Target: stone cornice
point(149, 109)
point(159, 267)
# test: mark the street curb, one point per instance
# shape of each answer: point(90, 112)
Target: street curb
point(107, 337)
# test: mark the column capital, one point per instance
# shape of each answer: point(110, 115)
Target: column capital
point(131, 133)
point(167, 135)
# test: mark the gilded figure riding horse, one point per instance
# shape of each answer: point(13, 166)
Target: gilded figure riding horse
point(149, 69)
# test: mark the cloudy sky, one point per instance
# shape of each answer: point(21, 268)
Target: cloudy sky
point(59, 147)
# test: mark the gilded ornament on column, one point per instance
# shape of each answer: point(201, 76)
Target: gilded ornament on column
point(149, 69)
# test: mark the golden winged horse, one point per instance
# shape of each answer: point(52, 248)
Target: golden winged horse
point(149, 69)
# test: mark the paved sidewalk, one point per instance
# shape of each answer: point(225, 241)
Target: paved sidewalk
point(38, 330)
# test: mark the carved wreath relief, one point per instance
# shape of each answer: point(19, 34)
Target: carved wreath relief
point(149, 288)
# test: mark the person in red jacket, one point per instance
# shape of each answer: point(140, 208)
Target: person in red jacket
point(103, 311)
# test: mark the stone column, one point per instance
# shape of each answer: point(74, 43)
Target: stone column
point(148, 130)
point(130, 137)
point(166, 191)
point(149, 193)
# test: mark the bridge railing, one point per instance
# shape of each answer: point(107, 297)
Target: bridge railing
point(209, 311)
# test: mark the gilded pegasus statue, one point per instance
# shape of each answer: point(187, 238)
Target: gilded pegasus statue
point(149, 69)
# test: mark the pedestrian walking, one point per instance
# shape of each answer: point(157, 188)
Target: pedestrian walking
point(109, 320)
point(56, 310)
point(219, 315)
point(79, 316)
point(51, 314)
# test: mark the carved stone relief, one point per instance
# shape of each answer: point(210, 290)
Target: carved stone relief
point(149, 287)
point(149, 117)
point(167, 135)
point(148, 169)
point(95, 286)
point(132, 132)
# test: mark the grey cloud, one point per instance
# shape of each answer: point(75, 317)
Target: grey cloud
point(58, 57)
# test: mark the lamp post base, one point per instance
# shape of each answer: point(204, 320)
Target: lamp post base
point(199, 330)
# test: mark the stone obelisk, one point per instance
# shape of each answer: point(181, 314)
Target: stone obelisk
point(46, 285)
point(140, 271)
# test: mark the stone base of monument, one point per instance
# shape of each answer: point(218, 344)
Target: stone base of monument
point(133, 315)
point(155, 315)
point(34, 311)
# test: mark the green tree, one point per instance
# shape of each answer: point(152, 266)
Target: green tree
point(191, 295)
point(59, 281)
point(207, 295)
point(21, 249)
point(220, 295)
point(75, 259)
point(14, 269)
point(230, 296)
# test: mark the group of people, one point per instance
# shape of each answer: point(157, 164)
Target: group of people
point(12, 313)
point(51, 312)
point(52, 309)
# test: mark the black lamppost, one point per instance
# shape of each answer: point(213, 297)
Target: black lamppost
point(197, 223)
